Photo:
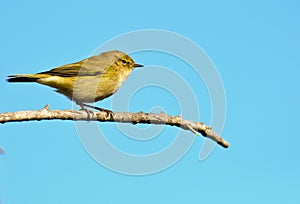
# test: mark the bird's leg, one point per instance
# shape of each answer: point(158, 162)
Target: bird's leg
point(94, 107)
point(108, 112)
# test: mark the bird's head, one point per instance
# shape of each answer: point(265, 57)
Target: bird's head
point(121, 59)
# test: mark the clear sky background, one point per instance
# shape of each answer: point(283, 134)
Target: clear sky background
point(255, 46)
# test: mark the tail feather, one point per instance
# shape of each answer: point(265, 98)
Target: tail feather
point(22, 78)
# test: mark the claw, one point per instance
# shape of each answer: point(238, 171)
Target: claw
point(109, 113)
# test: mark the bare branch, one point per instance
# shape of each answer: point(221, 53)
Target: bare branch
point(121, 117)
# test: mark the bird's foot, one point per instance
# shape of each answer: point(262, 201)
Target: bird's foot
point(88, 112)
point(109, 113)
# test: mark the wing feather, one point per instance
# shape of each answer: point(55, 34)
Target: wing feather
point(92, 66)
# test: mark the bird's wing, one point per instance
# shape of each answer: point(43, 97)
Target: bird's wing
point(88, 67)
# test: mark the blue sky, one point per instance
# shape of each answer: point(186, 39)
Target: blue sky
point(254, 45)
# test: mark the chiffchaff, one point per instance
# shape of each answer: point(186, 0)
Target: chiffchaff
point(87, 81)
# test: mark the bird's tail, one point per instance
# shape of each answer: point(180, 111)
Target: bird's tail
point(23, 78)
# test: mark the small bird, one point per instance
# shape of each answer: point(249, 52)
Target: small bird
point(87, 81)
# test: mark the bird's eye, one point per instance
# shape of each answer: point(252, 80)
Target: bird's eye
point(124, 62)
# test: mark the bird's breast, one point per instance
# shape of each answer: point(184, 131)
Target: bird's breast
point(120, 82)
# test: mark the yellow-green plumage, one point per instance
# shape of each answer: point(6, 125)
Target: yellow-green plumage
point(88, 80)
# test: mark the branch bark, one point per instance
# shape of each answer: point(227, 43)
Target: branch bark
point(122, 117)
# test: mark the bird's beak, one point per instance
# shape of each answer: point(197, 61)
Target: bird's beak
point(138, 65)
